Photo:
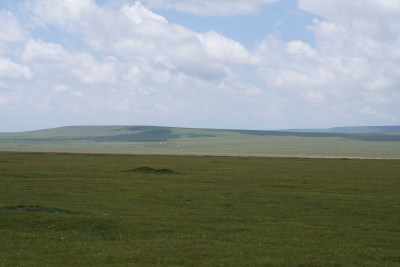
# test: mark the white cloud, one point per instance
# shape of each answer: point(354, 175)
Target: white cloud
point(59, 12)
point(225, 50)
point(52, 60)
point(345, 11)
point(61, 88)
point(137, 13)
point(134, 32)
point(211, 7)
point(354, 63)
point(300, 49)
point(10, 29)
point(130, 65)
point(39, 52)
point(91, 71)
point(379, 84)
point(13, 71)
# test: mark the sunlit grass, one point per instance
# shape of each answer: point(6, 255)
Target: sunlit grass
point(81, 209)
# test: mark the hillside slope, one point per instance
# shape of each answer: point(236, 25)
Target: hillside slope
point(353, 129)
point(170, 140)
point(163, 134)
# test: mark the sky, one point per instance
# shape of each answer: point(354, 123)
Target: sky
point(227, 64)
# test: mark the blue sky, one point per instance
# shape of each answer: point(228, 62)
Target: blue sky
point(283, 18)
point(256, 64)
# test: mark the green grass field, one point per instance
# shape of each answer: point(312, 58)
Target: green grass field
point(184, 141)
point(149, 210)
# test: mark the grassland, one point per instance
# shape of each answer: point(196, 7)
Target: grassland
point(149, 210)
point(184, 141)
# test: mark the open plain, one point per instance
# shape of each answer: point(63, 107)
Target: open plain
point(187, 141)
point(63, 209)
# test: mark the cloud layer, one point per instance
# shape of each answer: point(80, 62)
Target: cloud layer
point(211, 7)
point(77, 62)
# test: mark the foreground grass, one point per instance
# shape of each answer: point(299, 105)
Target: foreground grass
point(82, 209)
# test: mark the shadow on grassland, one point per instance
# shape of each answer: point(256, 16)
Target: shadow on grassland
point(378, 137)
point(44, 209)
point(146, 169)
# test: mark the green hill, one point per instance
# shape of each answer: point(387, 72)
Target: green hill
point(353, 129)
point(163, 134)
point(335, 142)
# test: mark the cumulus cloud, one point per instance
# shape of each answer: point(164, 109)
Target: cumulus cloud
point(135, 32)
point(138, 13)
point(354, 63)
point(59, 12)
point(130, 63)
point(53, 61)
point(342, 11)
point(39, 52)
point(10, 28)
point(225, 50)
point(49, 61)
point(211, 7)
point(13, 71)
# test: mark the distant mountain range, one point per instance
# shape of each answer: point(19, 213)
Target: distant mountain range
point(351, 129)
